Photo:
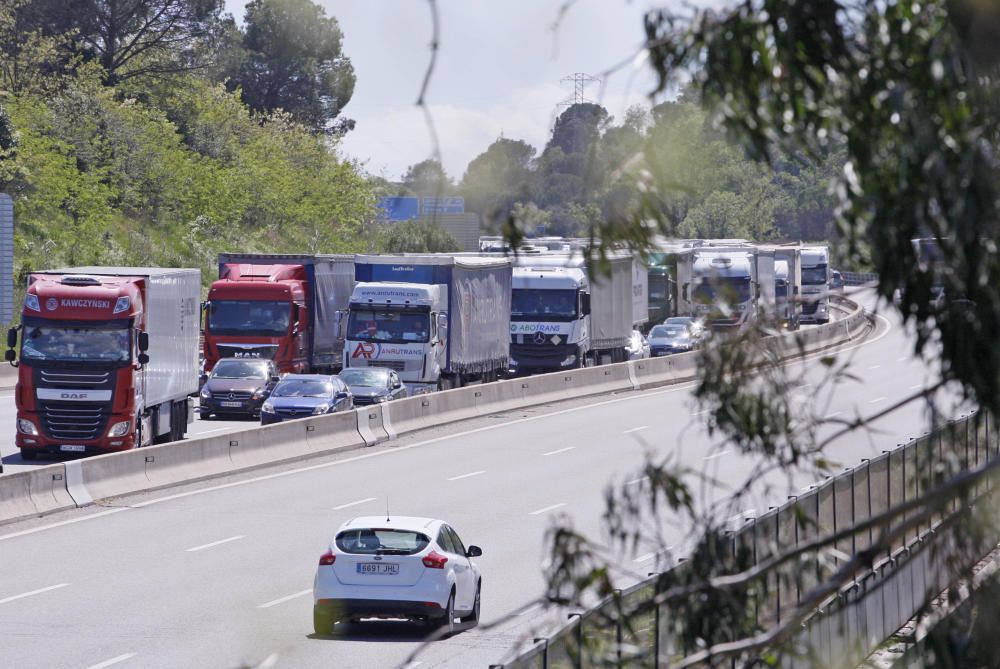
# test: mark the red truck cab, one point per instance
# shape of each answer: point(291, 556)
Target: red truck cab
point(258, 311)
point(85, 380)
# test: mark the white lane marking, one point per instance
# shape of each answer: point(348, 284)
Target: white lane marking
point(413, 665)
point(531, 609)
point(466, 476)
point(548, 508)
point(214, 543)
point(716, 455)
point(112, 661)
point(919, 386)
point(832, 415)
point(700, 413)
point(354, 503)
point(637, 481)
point(33, 592)
point(903, 359)
point(636, 429)
point(561, 450)
point(877, 400)
point(645, 558)
point(282, 600)
point(218, 429)
point(875, 367)
point(687, 385)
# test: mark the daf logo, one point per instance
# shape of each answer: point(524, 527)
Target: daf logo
point(73, 396)
point(539, 338)
point(52, 304)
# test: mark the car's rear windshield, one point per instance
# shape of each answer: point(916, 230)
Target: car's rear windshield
point(371, 541)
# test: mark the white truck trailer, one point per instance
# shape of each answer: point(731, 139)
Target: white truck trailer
point(561, 319)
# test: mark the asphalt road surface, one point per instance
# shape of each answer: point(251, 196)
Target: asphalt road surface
point(218, 574)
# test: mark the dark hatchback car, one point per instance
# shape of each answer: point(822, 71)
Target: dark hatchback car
point(304, 395)
point(372, 385)
point(238, 387)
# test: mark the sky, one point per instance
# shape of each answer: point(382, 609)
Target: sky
point(499, 71)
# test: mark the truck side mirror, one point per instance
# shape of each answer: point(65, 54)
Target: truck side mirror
point(143, 359)
point(585, 304)
point(12, 338)
point(338, 324)
point(442, 325)
point(10, 355)
point(144, 342)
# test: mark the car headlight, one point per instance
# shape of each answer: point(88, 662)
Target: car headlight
point(382, 398)
point(267, 408)
point(321, 409)
point(206, 394)
point(570, 359)
point(119, 429)
point(259, 393)
point(25, 426)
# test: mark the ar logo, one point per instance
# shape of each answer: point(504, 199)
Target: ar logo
point(365, 350)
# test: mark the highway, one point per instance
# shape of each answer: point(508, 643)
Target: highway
point(219, 573)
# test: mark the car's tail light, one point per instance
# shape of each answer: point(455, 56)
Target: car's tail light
point(327, 558)
point(434, 560)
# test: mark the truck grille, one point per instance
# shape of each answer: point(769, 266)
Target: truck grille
point(74, 423)
point(74, 379)
point(809, 308)
point(395, 365)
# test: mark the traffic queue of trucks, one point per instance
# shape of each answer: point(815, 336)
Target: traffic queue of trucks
point(109, 355)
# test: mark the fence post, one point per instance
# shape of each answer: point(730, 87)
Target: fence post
point(618, 629)
point(579, 637)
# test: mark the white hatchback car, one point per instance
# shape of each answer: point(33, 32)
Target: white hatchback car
point(413, 568)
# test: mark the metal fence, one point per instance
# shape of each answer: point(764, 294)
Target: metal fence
point(630, 630)
point(858, 278)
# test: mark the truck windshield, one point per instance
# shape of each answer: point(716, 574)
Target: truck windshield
point(249, 317)
point(76, 343)
point(534, 303)
point(814, 276)
point(401, 327)
point(729, 289)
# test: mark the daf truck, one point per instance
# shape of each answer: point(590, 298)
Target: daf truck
point(560, 319)
point(108, 360)
point(278, 307)
point(440, 321)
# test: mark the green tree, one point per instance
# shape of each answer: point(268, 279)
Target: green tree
point(427, 179)
point(294, 61)
point(495, 178)
point(418, 237)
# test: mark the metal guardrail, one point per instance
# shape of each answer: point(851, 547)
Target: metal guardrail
point(848, 626)
point(858, 278)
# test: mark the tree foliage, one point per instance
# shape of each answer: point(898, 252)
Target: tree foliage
point(294, 61)
point(418, 237)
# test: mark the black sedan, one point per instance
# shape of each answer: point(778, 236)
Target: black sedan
point(372, 385)
point(238, 387)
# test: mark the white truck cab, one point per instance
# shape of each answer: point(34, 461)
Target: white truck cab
point(549, 318)
point(815, 284)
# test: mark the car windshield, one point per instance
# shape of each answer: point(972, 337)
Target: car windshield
point(668, 331)
point(248, 317)
point(814, 276)
point(62, 343)
point(399, 327)
point(369, 541)
point(238, 369)
point(303, 388)
point(536, 303)
point(364, 377)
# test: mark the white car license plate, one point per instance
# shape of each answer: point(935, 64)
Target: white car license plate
point(231, 404)
point(387, 569)
point(73, 448)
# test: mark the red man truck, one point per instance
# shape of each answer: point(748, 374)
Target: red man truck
point(109, 357)
point(278, 307)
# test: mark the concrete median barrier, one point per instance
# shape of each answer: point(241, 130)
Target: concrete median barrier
point(188, 460)
point(335, 432)
point(34, 492)
point(114, 474)
point(370, 424)
point(665, 369)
